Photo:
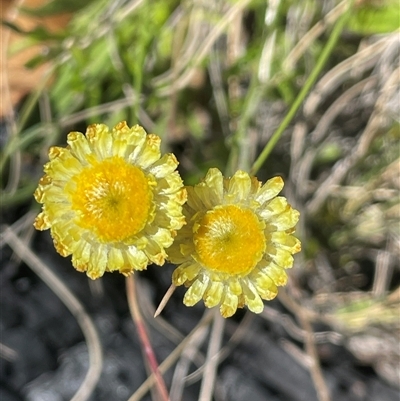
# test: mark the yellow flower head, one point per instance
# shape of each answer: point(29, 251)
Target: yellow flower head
point(111, 200)
point(237, 242)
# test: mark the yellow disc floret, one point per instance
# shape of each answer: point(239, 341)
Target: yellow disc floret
point(112, 198)
point(237, 243)
point(230, 239)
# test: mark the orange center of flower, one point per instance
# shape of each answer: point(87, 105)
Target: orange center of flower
point(230, 239)
point(113, 199)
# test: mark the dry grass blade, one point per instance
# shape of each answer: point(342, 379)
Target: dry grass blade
point(160, 324)
point(383, 274)
point(165, 300)
point(376, 122)
point(20, 225)
point(7, 353)
point(352, 67)
point(317, 30)
point(182, 367)
point(235, 339)
point(172, 358)
point(207, 44)
point(315, 368)
point(75, 307)
point(211, 364)
point(339, 105)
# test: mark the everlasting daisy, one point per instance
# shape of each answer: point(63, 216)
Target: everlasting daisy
point(110, 200)
point(237, 242)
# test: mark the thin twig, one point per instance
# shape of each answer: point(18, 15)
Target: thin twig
point(315, 367)
point(205, 48)
point(75, 307)
point(8, 353)
point(225, 351)
point(144, 338)
point(183, 365)
point(170, 360)
point(323, 58)
point(307, 40)
point(211, 365)
point(165, 300)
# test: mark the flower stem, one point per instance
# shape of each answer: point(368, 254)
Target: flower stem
point(323, 58)
point(147, 349)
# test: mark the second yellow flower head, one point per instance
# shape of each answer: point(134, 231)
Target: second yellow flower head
point(237, 242)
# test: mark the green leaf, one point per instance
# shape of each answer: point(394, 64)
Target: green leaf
point(36, 61)
point(56, 7)
point(39, 33)
point(376, 18)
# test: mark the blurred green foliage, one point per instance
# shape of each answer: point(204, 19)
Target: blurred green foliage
point(215, 81)
point(376, 16)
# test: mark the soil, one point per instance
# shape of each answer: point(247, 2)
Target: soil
point(47, 358)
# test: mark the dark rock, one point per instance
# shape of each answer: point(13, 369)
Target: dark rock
point(235, 385)
point(8, 395)
point(267, 362)
point(381, 391)
point(32, 357)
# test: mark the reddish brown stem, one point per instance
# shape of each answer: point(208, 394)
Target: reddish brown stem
point(147, 349)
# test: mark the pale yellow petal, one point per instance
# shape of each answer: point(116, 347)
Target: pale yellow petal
point(128, 142)
point(269, 190)
point(150, 151)
point(281, 257)
point(98, 262)
point(100, 140)
point(239, 186)
point(165, 166)
point(276, 273)
point(195, 292)
point(137, 258)
point(213, 294)
point(81, 255)
point(266, 286)
point(115, 259)
point(263, 283)
point(252, 298)
point(214, 182)
point(42, 222)
point(63, 168)
point(229, 304)
point(187, 271)
point(273, 207)
point(204, 194)
point(103, 144)
point(286, 241)
point(79, 146)
point(287, 219)
point(235, 286)
point(163, 237)
point(193, 200)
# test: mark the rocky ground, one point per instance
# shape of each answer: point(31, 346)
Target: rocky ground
point(45, 357)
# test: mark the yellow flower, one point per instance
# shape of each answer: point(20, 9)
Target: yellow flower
point(237, 242)
point(110, 200)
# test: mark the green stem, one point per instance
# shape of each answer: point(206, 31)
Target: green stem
point(323, 58)
point(236, 159)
